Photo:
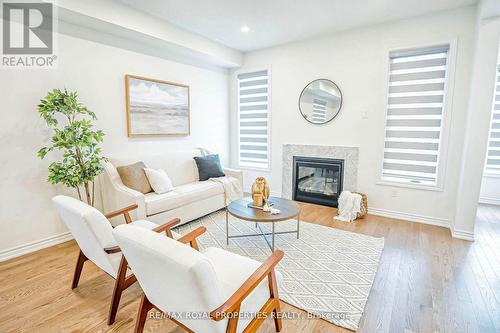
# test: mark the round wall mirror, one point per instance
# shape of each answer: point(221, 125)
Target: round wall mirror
point(320, 101)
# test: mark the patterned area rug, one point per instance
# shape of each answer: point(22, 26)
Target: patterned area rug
point(327, 272)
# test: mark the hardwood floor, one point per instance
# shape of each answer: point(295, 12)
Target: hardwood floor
point(426, 282)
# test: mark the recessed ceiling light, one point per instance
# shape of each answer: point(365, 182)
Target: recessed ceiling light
point(245, 28)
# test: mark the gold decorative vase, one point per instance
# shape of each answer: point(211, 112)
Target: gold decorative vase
point(260, 191)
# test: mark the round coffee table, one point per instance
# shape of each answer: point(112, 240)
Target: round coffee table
point(239, 209)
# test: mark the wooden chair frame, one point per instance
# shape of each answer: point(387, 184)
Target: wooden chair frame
point(232, 306)
point(122, 282)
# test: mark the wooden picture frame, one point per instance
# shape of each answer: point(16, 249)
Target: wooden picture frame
point(156, 108)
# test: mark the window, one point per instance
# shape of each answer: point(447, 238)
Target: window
point(253, 119)
point(493, 157)
point(417, 89)
point(319, 111)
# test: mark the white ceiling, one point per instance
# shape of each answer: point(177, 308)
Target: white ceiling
point(274, 22)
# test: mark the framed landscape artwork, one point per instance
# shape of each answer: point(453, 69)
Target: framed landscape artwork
point(156, 108)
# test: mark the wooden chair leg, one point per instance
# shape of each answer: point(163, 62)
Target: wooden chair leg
point(78, 269)
point(278, 323)
point(273, 290)
point(121, 284)
point(142, 314)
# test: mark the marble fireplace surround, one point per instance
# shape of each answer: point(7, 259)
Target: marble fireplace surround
point(348, 154)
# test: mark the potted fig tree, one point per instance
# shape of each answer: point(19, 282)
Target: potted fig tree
point(75, 139)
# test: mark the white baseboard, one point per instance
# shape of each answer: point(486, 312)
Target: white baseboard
point(489, 201)
point(34, 246)
point(410, 217)
point(436, 221)
point(400, 215)
point(462, 234)
point(455, 233)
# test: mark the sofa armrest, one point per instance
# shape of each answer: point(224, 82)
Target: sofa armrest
point(124, 196)
point(115, 195)
point(238, 174)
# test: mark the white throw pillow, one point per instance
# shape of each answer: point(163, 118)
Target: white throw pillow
point(159, 180)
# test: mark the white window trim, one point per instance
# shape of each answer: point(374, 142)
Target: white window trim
point(488, 172)
point(269, 118)
point(447, 115)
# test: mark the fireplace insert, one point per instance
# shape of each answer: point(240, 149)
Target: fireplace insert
point(317, 180)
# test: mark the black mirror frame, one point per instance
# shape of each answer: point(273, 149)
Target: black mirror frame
point(336, 114)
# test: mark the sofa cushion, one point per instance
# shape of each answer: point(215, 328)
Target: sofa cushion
point(134, 177)
point(209, 167)
point(180, 196)
point(159, 180)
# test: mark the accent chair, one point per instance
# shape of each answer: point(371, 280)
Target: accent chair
point(214, 291)
point(94, 235)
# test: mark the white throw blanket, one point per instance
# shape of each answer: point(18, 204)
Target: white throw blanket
point(349, 206)
point(232, 189)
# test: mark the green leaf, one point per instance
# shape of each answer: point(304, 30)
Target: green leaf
point(42, 152)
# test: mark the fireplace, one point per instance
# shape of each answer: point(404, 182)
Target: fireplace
point(317, 180)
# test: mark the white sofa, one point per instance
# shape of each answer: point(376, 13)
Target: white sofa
point(190, 198)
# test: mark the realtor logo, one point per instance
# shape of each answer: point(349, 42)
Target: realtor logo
point(28, 34)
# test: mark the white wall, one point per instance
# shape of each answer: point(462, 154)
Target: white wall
point(357, 60)
point(490, 184)
point(97, 72)
point(479, 118)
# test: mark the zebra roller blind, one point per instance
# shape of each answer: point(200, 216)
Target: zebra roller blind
point(319, 111)
point(417, 86)
point(253, 122)
point(493, 157)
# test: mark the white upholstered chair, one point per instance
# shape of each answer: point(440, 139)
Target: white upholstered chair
point(94, 235)
point(178, 279)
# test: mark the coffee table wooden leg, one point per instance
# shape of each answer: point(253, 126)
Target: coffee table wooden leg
point(227, 227)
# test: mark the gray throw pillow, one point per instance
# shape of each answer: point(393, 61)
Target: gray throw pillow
point(134, 177)
point(209, 166)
